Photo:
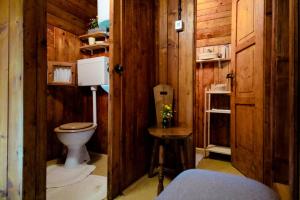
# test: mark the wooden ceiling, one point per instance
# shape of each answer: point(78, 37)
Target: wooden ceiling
point(71, 15)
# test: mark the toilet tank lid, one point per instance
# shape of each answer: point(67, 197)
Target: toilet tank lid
point(76, 125)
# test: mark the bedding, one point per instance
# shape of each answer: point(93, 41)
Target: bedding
point(198, 184)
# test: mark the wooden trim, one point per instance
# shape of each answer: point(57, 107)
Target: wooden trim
point(34, 97)
point(15, 95)
point(267, 163)
point(249, 42)
point(114, 105)
point(4, 21)
point(294, 98)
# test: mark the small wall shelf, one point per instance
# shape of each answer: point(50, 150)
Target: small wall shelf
point(219, 60)
point(95, 35)
point(92, 48)
point(220, 111)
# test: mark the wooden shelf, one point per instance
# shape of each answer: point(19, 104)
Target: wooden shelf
point(91, 48)
point(95, 35)
point(218, 149)
point(221, 111)
point(218, 92)
point(214, 60)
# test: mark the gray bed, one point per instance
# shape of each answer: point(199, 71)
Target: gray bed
point(198, 184)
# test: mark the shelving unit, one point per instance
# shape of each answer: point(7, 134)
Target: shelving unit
point(95, 35)
point(91, 48)
point(219, 60)
point(208, 110)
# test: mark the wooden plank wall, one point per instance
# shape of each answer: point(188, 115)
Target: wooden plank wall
point(213, 29)
point(4, 65)
point(35, 88)
point(70, 104)
point(213, 22)
point(280, 92)
point(71, 15)
point(11, 99)
point(174, 55)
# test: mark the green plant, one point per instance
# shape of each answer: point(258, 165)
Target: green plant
point(93, 23)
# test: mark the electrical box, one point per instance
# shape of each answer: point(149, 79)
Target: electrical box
point(179, 25)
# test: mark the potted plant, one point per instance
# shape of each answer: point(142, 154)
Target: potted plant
point(93, 25)
point(167, 115)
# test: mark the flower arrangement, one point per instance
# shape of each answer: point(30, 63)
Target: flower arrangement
point(167, 114)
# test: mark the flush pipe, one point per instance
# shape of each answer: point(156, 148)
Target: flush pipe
point(94, 90)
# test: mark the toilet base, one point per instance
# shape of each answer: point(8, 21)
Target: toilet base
point(76, 156)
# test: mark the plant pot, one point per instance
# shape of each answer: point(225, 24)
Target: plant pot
point(93, 30)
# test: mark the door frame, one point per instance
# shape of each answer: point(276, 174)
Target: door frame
point(294, 83)
point(114, 133)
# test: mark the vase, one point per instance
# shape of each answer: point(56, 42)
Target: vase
point(165, 123)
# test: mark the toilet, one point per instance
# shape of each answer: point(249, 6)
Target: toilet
point(91, 72)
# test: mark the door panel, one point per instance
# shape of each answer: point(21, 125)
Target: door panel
point(247, 94)
point(245, 72)
point(131, 96)
point(245, 20)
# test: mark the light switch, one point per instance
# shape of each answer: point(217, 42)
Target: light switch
point(179, 25)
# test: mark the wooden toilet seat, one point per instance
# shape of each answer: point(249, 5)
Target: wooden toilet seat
point(75, 127)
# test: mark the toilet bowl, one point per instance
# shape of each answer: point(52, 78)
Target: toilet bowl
point(90, 72)
point(75, 136)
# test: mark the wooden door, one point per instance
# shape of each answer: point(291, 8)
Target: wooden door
point(247, 94)
point(131, 102)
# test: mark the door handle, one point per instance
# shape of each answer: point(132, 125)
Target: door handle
point(119, 69)
point(230, 75)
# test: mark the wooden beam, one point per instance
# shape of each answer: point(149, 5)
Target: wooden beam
point(186, 64)
point(15, 95)
point(65, 25)
point(34, 96)
point(66, 16)
point(114, 118)
point(294, 157)
point(79, 8)
point(4, 21)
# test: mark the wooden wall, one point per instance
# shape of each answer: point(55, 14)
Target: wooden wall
point(70, 104)
point(11, 100)
point(280, 92)
point(213, 30)
point(213, 22)
point(175, 55)
point(71, 15)
point(22, 100)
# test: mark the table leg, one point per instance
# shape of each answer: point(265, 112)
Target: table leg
point(182, 156)
point(153, 158)
point(160, 187)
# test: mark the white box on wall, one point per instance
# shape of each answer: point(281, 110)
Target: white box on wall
point(93, 71)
